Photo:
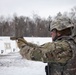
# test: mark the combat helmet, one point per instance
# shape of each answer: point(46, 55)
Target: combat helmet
point(60, 23)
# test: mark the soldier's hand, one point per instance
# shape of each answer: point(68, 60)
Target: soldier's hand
point(21, 42)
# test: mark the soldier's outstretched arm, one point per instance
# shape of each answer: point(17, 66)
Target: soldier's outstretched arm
point(49, 52)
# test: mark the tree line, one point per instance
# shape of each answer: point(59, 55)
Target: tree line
point(31, 27)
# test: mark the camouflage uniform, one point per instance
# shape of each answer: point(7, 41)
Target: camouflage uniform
point(57, 53)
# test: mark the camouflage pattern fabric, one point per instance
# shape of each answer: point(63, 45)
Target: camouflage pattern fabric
point(59, 51)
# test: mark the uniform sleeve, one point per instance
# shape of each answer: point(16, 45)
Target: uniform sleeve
point(59, 51)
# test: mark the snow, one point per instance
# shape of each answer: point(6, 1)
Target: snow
point(13, 64)
point(7, 45)
point(38, 40)
point(20, 71)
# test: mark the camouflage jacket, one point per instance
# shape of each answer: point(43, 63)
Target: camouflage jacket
point(58, 51)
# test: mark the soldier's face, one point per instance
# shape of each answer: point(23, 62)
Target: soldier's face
point(54, 35)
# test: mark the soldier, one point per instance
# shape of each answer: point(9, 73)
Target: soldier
point(58, 54)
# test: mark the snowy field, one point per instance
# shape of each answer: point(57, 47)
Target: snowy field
point(12, 63)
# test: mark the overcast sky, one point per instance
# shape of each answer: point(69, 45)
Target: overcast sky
point(43, 8)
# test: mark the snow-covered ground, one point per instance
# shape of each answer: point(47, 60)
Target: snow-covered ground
point(13, 64)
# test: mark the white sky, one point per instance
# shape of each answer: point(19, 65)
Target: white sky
point(43, 8)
